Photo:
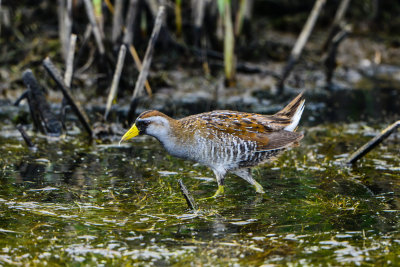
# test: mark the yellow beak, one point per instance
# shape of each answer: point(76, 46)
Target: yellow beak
point(133, 131)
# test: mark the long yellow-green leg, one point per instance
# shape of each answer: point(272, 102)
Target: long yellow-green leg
point(259, 188)
point(245, 173)
point(220, 175)
point(219, 192)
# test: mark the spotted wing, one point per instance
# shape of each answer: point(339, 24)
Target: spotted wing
point(249, 127)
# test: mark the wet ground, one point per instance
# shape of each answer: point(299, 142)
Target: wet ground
point(73, 202)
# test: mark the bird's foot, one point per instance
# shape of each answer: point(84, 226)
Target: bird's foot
point(218, 193)
point(259, 188)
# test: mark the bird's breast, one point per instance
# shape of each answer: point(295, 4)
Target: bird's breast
point(215, 149)
point(221, 150)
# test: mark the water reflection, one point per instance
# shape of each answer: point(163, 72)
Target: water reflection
point(31, 172)
point(105, 204)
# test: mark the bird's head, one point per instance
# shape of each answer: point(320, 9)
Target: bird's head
point(150, 122)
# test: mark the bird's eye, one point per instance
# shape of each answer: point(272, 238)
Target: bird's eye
point(142, 124)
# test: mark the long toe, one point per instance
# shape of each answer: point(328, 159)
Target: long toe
point(218, 193)
point(259, 188)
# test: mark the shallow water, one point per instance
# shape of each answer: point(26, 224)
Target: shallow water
point(71, 202)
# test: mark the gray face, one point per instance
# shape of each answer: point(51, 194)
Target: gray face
point(156, 126)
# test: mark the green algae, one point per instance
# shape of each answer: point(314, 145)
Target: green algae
point(77, 204)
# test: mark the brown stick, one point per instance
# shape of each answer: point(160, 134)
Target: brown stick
point(69, 70)
point(116, 78)
point(198, 7)
point(138, 64)
point(373, 143)
point(25, 136)
point(70, 61)
point(109, 6)
point(117, 21)
point(244, 13)
point(301, 41)
point(330, 58)
point(62, 27)
point(68, 27)
point(55, 74)
point(153, 6)
point(335, 27)
point(43, 118)
point(86, 36)
point(129, 23)
point(34, 97)
point(188, 197)
point(95, 27)
point(147, 57)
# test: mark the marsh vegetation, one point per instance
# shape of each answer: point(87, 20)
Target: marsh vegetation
point(70, 195)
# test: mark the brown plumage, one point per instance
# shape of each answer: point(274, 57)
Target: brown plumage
point(225, 141)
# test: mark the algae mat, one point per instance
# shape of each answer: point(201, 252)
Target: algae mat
point(78, 204)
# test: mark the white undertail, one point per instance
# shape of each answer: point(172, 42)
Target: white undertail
point(296, 118)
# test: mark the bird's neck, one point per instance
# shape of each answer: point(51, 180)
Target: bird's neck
point(174, 139)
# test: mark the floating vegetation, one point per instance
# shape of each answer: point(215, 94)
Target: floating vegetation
point(105, 204)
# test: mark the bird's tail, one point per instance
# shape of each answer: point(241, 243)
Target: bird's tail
point(293, 111)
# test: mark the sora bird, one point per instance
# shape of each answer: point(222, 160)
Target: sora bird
point(225, 141)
